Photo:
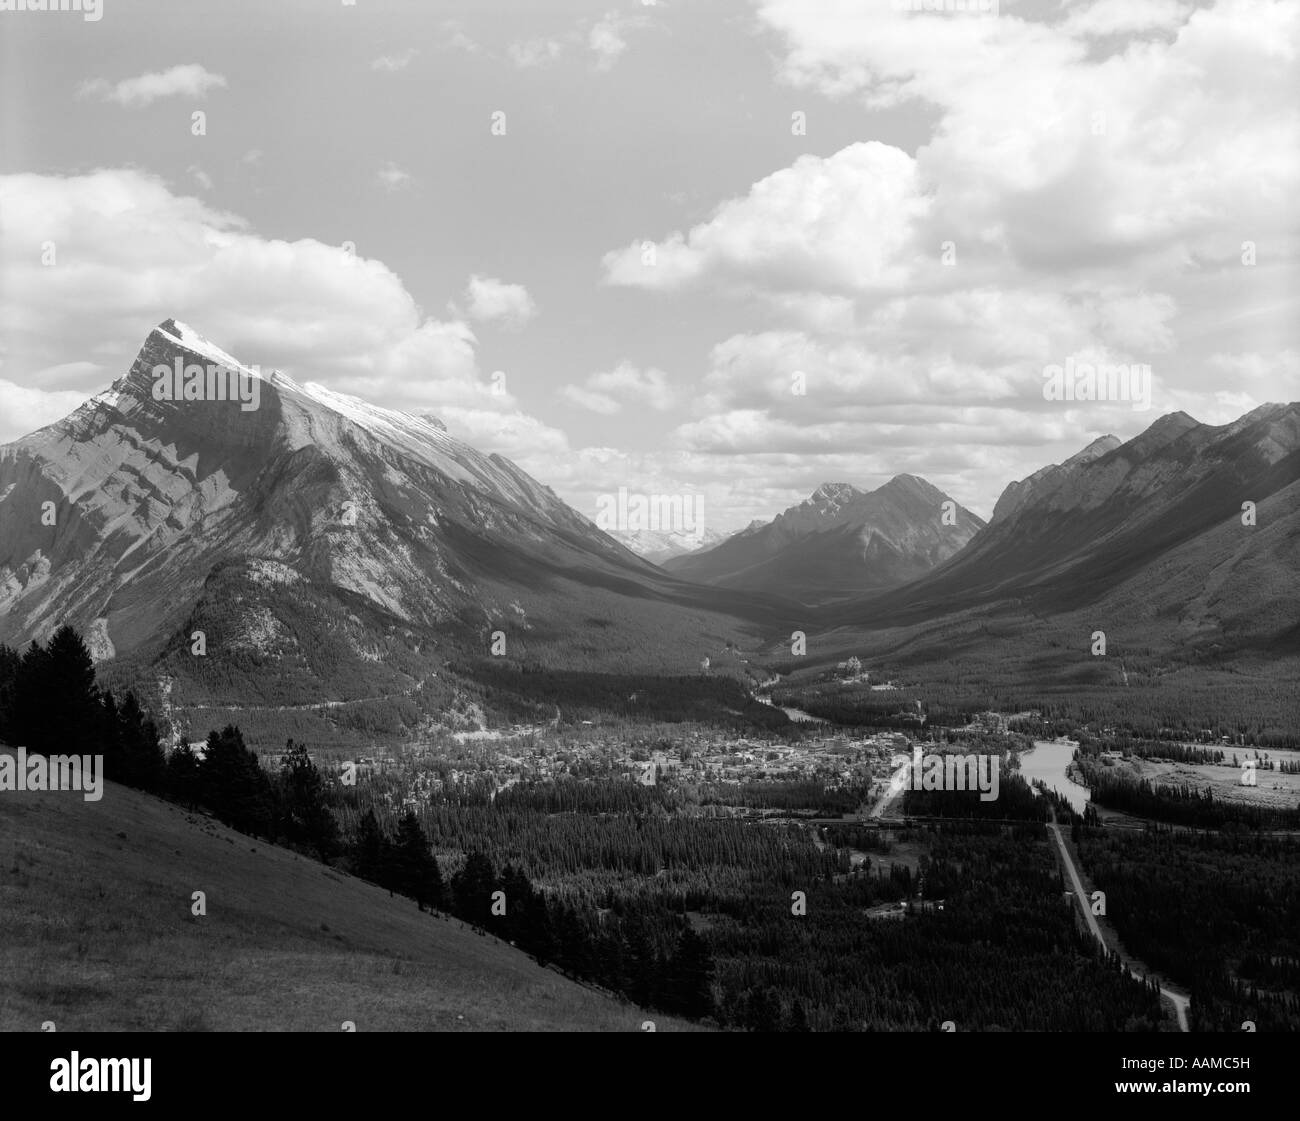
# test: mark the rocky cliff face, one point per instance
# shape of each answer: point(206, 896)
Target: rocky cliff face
point(114, 517)
point(1047, 479)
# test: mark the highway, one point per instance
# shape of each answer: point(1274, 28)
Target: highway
point(1178, 1000)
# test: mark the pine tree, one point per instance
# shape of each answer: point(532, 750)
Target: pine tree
point(234, 786)
point(692, 977)
point(182, 780)
point(307, 817)
point(473, 886)
point(371, 859)
point(143, 762)
point(33, 701)
point(10, 661)
point(72, 721)
point(417, 870)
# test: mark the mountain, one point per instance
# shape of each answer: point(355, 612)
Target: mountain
point(324, 547)
point(1047, 479)
point(1144, 537)
point(838, 542)
point(659, 545)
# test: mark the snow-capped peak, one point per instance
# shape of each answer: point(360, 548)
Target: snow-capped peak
point(184, 335)
point(391, 424)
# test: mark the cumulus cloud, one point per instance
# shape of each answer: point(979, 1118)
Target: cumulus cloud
point(1087, 188)
point(188, 80)
point(144, 254)
point(843, 223)
point(494, 301)
point(1119, 141)
point(609, 391)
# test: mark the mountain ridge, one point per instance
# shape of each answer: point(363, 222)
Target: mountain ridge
point(839, 541)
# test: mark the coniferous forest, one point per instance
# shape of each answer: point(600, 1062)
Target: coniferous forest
point(679, 898)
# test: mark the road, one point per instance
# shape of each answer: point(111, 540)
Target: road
point(1178, 1000)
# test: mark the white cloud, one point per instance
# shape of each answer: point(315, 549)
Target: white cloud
point(393, 177)
point(189, 80)
point(391, 63)
point(456, 39)
point(1060, 158)
point(201, 177)
point(1095, 198)
point(607, 37)
point(534, 52)
point(1119, 17)
point(144, 254)
point(607, 392)
point(24, 409)
point(494, 301)
point(845, 223)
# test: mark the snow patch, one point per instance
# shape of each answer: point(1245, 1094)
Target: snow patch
point(191, 340)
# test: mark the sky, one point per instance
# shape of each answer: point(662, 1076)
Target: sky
point(723, 249)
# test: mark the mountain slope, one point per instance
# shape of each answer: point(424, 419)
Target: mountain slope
point(1047, 479)
point(96, 934)
point(406, 545)
point(1148, 534)
point(838, 542)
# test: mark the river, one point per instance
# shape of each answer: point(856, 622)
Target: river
point(1048, 761)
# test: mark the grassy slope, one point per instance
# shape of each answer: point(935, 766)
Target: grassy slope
point(96, 934)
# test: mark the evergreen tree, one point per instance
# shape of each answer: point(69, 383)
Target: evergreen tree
point(71, 722)
point(182, 778)
point(34, 701)
point(371, 859)
point(417, 870)
point(142, 760)
point(10, 661)
point(307, 818)
point(692, 977)
point(472, 887)
point(234, 786)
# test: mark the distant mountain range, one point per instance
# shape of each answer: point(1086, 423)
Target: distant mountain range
point(839, 542)
point(327, 549)
point(660, 545)
point(1153, 537)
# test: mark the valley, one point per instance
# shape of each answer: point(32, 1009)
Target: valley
point(330, 650)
